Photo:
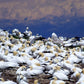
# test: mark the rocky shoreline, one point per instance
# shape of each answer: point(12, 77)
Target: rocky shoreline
point(33, 59)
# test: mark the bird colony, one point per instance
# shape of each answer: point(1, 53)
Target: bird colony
point(59, 58)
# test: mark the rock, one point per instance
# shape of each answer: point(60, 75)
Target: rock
point(42, 78)
point(9, 74)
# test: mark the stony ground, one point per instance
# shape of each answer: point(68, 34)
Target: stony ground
point(10, 74)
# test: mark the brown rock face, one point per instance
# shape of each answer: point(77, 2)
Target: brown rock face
point(9, 74)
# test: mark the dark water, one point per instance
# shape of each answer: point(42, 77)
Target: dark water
point(70, 29)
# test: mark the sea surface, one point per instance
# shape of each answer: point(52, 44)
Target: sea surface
point(73, 28)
